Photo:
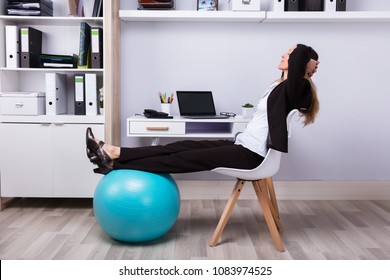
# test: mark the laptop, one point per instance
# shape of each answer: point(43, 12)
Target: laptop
point(197, 105)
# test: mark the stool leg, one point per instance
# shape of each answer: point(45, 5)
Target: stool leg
point(261, 183)
point(271, 191)
point(227, 212)
point(262, 196)
point(272, 195)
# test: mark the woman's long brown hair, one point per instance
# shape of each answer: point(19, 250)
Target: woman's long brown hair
point(311, 113)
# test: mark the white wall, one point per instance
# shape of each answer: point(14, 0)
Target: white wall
point(237, 61)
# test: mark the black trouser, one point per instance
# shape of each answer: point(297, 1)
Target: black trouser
point(187, 156)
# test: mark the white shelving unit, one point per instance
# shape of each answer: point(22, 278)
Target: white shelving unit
point(327, 17)
point(219, 16)
point(58, 32)
point(259, 17)
point(53, 21)
point(47, 70)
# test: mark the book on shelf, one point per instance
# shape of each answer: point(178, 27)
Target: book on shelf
point(12, 46)
point(97, 8)
point(30, 8)
point(85, 8)
point(47, 3)
point(56, 93)
point(156, 4)
point(79, 91)
point(30, 47)
point(58, 61)
point(18, 12)
point(311, 5)
point(96, 47)
point(90, 8)
point(91, 94)
point(291, 6)
point(84, 60)
point(73, 6)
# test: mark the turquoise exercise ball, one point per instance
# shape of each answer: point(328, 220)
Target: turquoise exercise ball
point(136, 206)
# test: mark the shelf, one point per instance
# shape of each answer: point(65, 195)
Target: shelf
point(328, 17)
point(218, 16)
point(261, 16)
point(53, 21)
point(58, 119)
point(44, 70)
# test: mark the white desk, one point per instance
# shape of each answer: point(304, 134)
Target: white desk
point(179, 127)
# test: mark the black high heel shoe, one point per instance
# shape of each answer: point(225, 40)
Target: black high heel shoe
point(95, 151)
point(92, 158)
point(97, 155)
point(103, 169)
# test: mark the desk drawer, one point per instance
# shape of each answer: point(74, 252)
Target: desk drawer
point(157, 128)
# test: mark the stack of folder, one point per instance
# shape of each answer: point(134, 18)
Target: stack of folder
point(30, 8)
point(58, 61)
point(86, 94)
point(23, 46)
point(156, 4)
point(86, 98)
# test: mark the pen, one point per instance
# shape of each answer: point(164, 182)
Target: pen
point(164, 98)
point(161, 98)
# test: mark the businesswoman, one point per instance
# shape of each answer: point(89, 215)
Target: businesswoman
point(266, 129)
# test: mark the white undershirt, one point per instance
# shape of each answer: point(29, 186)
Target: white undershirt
point(255, 135)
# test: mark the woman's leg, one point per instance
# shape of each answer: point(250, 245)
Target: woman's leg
point(126, 154)
point(187, 156)
point(129, 154)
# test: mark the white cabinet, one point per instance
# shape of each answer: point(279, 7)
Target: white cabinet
point(26, 166)
point(46, 160)
point(72, 171)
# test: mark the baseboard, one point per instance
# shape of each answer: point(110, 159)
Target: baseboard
point(290, 190)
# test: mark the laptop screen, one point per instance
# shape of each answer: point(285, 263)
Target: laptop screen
point(195, 103)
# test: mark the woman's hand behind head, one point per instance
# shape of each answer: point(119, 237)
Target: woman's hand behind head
point(311, 67)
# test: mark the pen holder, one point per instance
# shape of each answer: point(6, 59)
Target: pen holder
point(166, 108)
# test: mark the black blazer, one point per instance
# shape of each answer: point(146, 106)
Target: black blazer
point(293, 93)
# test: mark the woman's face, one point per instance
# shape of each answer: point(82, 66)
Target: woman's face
point(283, 65)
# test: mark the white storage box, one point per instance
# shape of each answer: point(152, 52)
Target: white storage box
point(22, 103)
point(245, 5)
point(277, 5)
